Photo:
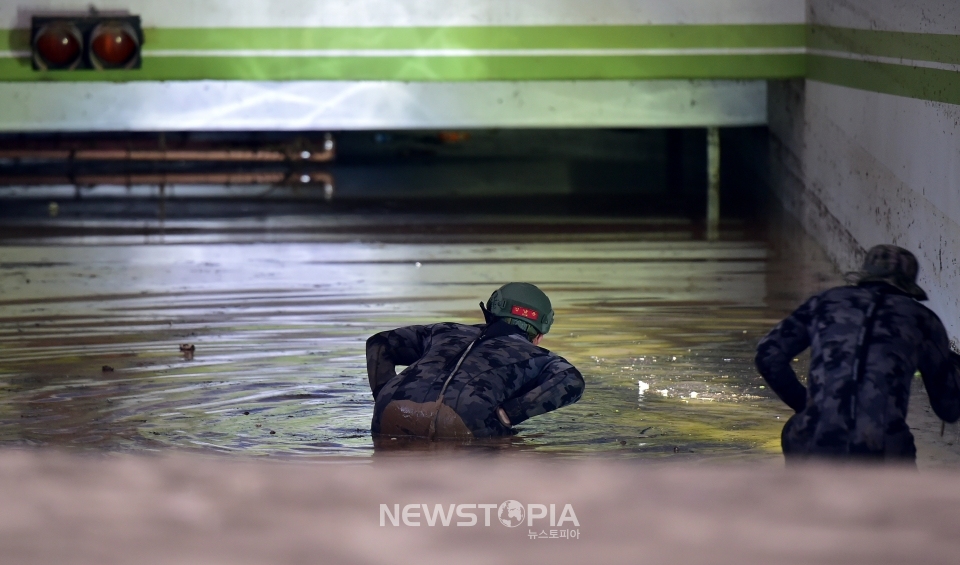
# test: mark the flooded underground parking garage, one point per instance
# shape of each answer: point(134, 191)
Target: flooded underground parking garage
point(276, 306)
point(254, 263)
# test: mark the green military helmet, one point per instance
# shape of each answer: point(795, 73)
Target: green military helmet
point(523, 302)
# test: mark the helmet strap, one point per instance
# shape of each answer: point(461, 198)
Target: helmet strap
point(487, 315)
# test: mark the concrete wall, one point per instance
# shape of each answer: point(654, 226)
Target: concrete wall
point(361, 64)
point(865, 150)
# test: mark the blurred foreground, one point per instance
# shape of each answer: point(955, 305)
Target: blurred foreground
point(122, 509)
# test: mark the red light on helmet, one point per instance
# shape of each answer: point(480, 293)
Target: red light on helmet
point(114, 45)
point(57, 45)
point(528, 313)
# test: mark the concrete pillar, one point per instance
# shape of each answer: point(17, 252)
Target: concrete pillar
point(713, 183)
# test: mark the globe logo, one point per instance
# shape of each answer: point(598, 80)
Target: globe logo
point(511, 513)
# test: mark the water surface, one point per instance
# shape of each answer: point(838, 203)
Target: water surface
point(661, 323)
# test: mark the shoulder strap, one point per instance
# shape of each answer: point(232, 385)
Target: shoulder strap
point(863, 347)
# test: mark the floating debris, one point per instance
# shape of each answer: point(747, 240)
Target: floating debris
point(106, 369)
point(644, 387)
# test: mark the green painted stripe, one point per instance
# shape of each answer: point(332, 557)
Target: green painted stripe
point(912, 82)
point(15, 39)
point(527, 37)
point(434, 68)
point(918, 46)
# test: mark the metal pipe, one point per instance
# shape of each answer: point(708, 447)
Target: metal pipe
point(713, 183)
point(232, 155)
point(167, 179)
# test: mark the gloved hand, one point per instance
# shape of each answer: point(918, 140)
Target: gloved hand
point(504, 419)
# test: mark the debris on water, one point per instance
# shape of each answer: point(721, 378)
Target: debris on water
point(258, 425)
point(676, 449)
point(106, 369)
point(693, 394)
point(643, 387)
point(664, 392)
point(623, 442)
point(188, 347)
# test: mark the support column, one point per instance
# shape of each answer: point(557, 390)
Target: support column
point(713, 183)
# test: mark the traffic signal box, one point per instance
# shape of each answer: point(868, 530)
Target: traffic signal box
point(97, 43)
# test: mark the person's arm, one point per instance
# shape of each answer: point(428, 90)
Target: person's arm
point(386, 350)
point(777, 349)
point(940, 369)
point(558, 384)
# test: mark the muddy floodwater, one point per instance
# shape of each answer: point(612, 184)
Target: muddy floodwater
point(661, 323)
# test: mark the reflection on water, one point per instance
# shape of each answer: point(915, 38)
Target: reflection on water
point(662, 325)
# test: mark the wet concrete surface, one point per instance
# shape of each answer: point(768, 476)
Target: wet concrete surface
point(662, 325)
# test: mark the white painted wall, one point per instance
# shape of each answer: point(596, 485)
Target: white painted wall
point(861, 168)
point(916, 16)
point(357, 105)
point(399, 13)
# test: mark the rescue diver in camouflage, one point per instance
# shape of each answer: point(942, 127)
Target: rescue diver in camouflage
point(471, 381)
point(867, 341)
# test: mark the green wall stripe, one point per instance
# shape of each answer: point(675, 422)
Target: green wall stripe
point(553, 37)
point(900, 80)
point(918, 46)
point(15, 39)
point(435, 68)
point(539, 37)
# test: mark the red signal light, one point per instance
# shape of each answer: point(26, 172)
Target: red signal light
point(114, 45)
point(58, 45)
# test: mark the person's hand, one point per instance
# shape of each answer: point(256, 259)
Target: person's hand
point(504, 419)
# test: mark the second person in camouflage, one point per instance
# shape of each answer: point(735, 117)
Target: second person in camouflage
point(866, 341)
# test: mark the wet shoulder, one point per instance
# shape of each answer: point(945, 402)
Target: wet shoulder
point(509, 350)
point(850, 303)
point(900, 308)
point(453, 328)
point(839, 296)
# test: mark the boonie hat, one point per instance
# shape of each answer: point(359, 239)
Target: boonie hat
point(893, 265)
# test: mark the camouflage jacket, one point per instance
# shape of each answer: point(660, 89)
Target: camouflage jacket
point(867, 342)
point(502, 370)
